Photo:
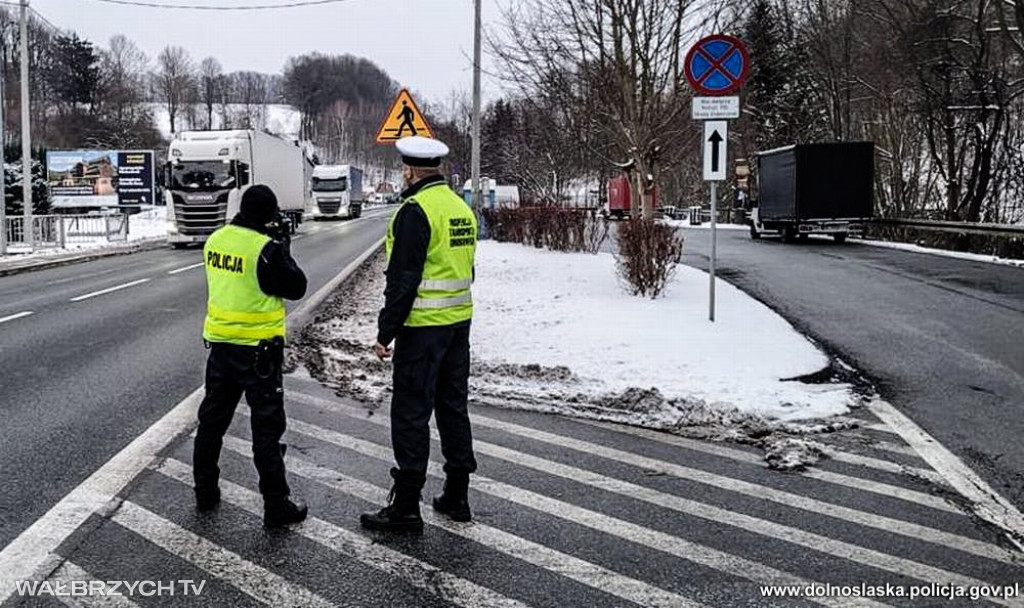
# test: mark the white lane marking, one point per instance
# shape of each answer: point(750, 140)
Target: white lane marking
point(866, 485)
point(880, 427)
point(628, 531)
point(30, 555)
point(447, 586)
point(895, 448)
point(563, 564)
point(885, 465)
point(183, 269)
point(988, 504)
point(253, 580)
point(68, 571)
point(863, 518)
point(109, 290)
point(16, 316)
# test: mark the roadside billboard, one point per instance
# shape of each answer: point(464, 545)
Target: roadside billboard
point(100, 178)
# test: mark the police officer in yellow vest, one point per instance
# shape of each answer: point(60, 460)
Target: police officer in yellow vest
point(248, 276)
point(430, 246)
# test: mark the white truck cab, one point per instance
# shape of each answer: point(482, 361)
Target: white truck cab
point(207, 172)
point(337, 191)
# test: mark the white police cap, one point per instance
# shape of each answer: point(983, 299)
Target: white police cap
point(419, 151)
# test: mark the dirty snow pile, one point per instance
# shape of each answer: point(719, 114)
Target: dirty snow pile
point(555, 332)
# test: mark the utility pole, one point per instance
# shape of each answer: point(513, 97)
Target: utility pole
point(26, 142)
point(475, 162)
point(3, 172)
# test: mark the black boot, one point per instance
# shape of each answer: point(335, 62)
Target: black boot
point(282, 511)
point(207, 499)
point(403, 510)
point(454, 501)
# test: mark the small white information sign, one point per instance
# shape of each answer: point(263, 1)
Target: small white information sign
point(716, 108)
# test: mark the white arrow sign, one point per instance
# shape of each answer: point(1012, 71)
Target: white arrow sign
point(716, 136)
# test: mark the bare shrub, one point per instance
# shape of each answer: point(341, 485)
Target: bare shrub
point(594, 233)
point(649, 252)
point(548, 226)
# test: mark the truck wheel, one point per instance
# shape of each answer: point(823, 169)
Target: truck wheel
point(754, 233)
point(179, 245)
point(788, 234)
point(840, 237)
point(803, 236)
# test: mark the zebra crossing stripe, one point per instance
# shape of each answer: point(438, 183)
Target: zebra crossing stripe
point(872, 520)
point(417, 573)
point(68, 571)
point(253, 580)
point(566, 565)
point(666, 543)
point(885, 465)
point(858, 483)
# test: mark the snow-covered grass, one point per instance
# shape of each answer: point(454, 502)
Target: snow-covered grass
point(960, 255)
point(554, 332)
point(281, 119)
point(549, 309)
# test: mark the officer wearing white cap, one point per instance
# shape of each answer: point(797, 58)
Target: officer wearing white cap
point(428, 307)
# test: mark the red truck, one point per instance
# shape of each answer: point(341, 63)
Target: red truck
point(620, 196)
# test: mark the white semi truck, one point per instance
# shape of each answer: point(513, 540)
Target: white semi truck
point(207, 172)
point(337, 191)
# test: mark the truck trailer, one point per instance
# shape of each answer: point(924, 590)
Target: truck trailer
point(814, 189)
point(337, 191)
point(208, 171)
point(620, 197)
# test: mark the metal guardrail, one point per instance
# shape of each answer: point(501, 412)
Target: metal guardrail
point(957, 227)
point(58, 231)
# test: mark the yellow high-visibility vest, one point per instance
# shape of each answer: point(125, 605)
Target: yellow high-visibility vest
point(443, 296)
point(237, 311)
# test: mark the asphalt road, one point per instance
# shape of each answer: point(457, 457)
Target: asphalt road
point(81, 379)
point(942, 338)
point(566, 512)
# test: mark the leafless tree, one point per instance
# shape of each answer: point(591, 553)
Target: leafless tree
point(211, 79)
point(252, 95)
point(174, 80)
point(615, 69)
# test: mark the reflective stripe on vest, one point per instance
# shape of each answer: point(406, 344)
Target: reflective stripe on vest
point(237, 310)
point(443, 296)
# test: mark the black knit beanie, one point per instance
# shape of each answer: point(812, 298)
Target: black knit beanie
point(259, 204)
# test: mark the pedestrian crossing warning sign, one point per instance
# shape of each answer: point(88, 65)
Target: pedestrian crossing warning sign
point(404, 119)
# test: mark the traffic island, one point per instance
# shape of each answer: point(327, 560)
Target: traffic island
point(556, 332)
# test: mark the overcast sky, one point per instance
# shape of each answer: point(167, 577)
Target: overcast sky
point(425, 45)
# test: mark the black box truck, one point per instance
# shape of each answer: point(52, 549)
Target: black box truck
point(814, 189)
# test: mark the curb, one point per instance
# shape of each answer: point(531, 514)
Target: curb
point(301, 316)
point(18, 267)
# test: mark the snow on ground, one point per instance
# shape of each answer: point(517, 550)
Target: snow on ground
point(148, 225)
point(961, 255)
point(281, 119)
point(705, 225)
point(555, 332)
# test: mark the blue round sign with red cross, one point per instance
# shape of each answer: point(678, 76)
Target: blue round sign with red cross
point(717, 65)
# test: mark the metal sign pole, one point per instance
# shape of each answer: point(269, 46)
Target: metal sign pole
point(714, 252)
point(3, 173)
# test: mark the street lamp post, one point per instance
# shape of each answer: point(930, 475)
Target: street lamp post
point(3, 173)
point(26, 142)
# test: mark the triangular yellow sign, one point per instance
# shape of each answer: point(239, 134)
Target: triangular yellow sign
point(404, 119)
